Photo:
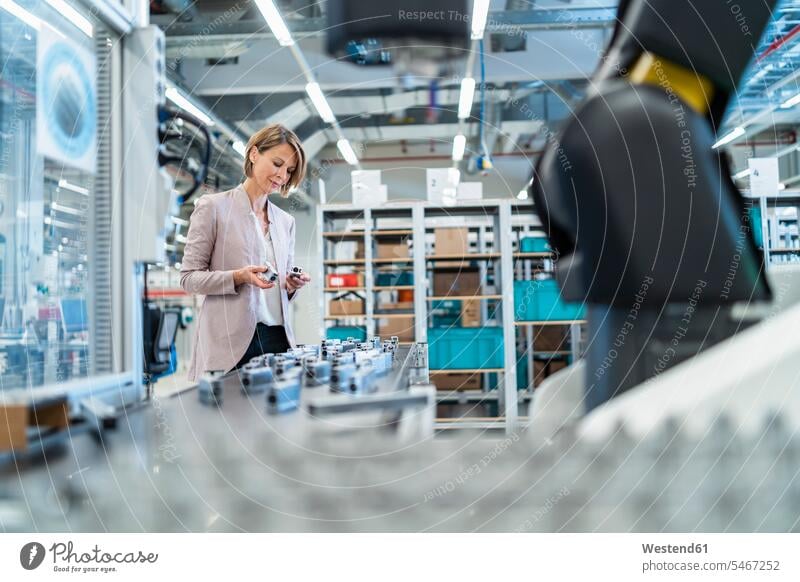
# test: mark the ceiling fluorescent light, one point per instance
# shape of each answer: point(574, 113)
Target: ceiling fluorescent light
point(16, 10)
point(320, 103)
point(174, 95)
point(480, 10)
point(238, 147)
point(523, 194)
point(465, 99)
point(70, 13)
point(347, 152)
point(459, 143)
point(742, 174)
point(275, 22)
point(737, 132)
point(791, 102)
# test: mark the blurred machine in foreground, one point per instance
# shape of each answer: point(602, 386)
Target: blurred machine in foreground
point(652, 232)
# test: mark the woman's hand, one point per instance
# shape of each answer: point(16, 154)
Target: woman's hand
point(295, 283)
point(251, 276)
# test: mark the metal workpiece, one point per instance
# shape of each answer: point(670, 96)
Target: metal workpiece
point(284, 366)
point(345, 358)
point(418, 369)
point(362, 381)
point(318, 372)
point(255, 377)
point(341, 375)
point(210, 388)
point(270, 275)
point(284, 394)
point(329, 352)
point(364, 354)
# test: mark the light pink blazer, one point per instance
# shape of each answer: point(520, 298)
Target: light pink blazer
point(222, 239)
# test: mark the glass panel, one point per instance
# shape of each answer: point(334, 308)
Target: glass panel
point(47, 172)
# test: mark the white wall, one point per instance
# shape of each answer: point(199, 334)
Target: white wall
point(405, 174)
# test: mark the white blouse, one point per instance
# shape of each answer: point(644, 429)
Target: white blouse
point(269, 300)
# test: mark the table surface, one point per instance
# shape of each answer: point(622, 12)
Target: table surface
point(169, 437)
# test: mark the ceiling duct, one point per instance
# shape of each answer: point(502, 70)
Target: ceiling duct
point(424, 39)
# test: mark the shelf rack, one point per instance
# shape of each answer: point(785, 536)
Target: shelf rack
point(497, 223)
point(770, 224)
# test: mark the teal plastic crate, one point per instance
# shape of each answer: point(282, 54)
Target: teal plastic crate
point(445, 313)
point(465, 348)
point(342, 332)
point(755, 224)
point(493, 380)
point(401, 278)
point(540, 300)
point(534, 244)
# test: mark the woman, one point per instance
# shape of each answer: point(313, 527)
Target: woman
point(232, 236)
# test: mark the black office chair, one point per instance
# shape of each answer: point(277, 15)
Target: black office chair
point(160, 329)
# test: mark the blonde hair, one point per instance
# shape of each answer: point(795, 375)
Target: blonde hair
point(274, 135)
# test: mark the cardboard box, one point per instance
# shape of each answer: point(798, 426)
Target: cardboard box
point(17, 418)
point(402, 327)
point(544, 368)
point(471, 313)
point(456, 282)
point(393, 250)
point(346, 307)
point(457, 381)
point(550, 338)
point(451, 241)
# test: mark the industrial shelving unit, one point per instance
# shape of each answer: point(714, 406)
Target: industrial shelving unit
point(779, 227)
point(496, 226)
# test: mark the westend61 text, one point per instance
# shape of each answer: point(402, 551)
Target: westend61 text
point(670, 549)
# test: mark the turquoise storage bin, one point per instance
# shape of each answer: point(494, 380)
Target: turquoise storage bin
point(342, 332)
point(403, 278)
point(462, 348)
point(534, 244)
point(445, 313)
point(541, 301)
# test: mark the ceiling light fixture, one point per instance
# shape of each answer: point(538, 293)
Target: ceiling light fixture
point(347, 152)
point(736, 132)
point(320, 103)
point(465, 98)
point(175, 96)
point(480, 11)
point(459, 144)
point(275, 22)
